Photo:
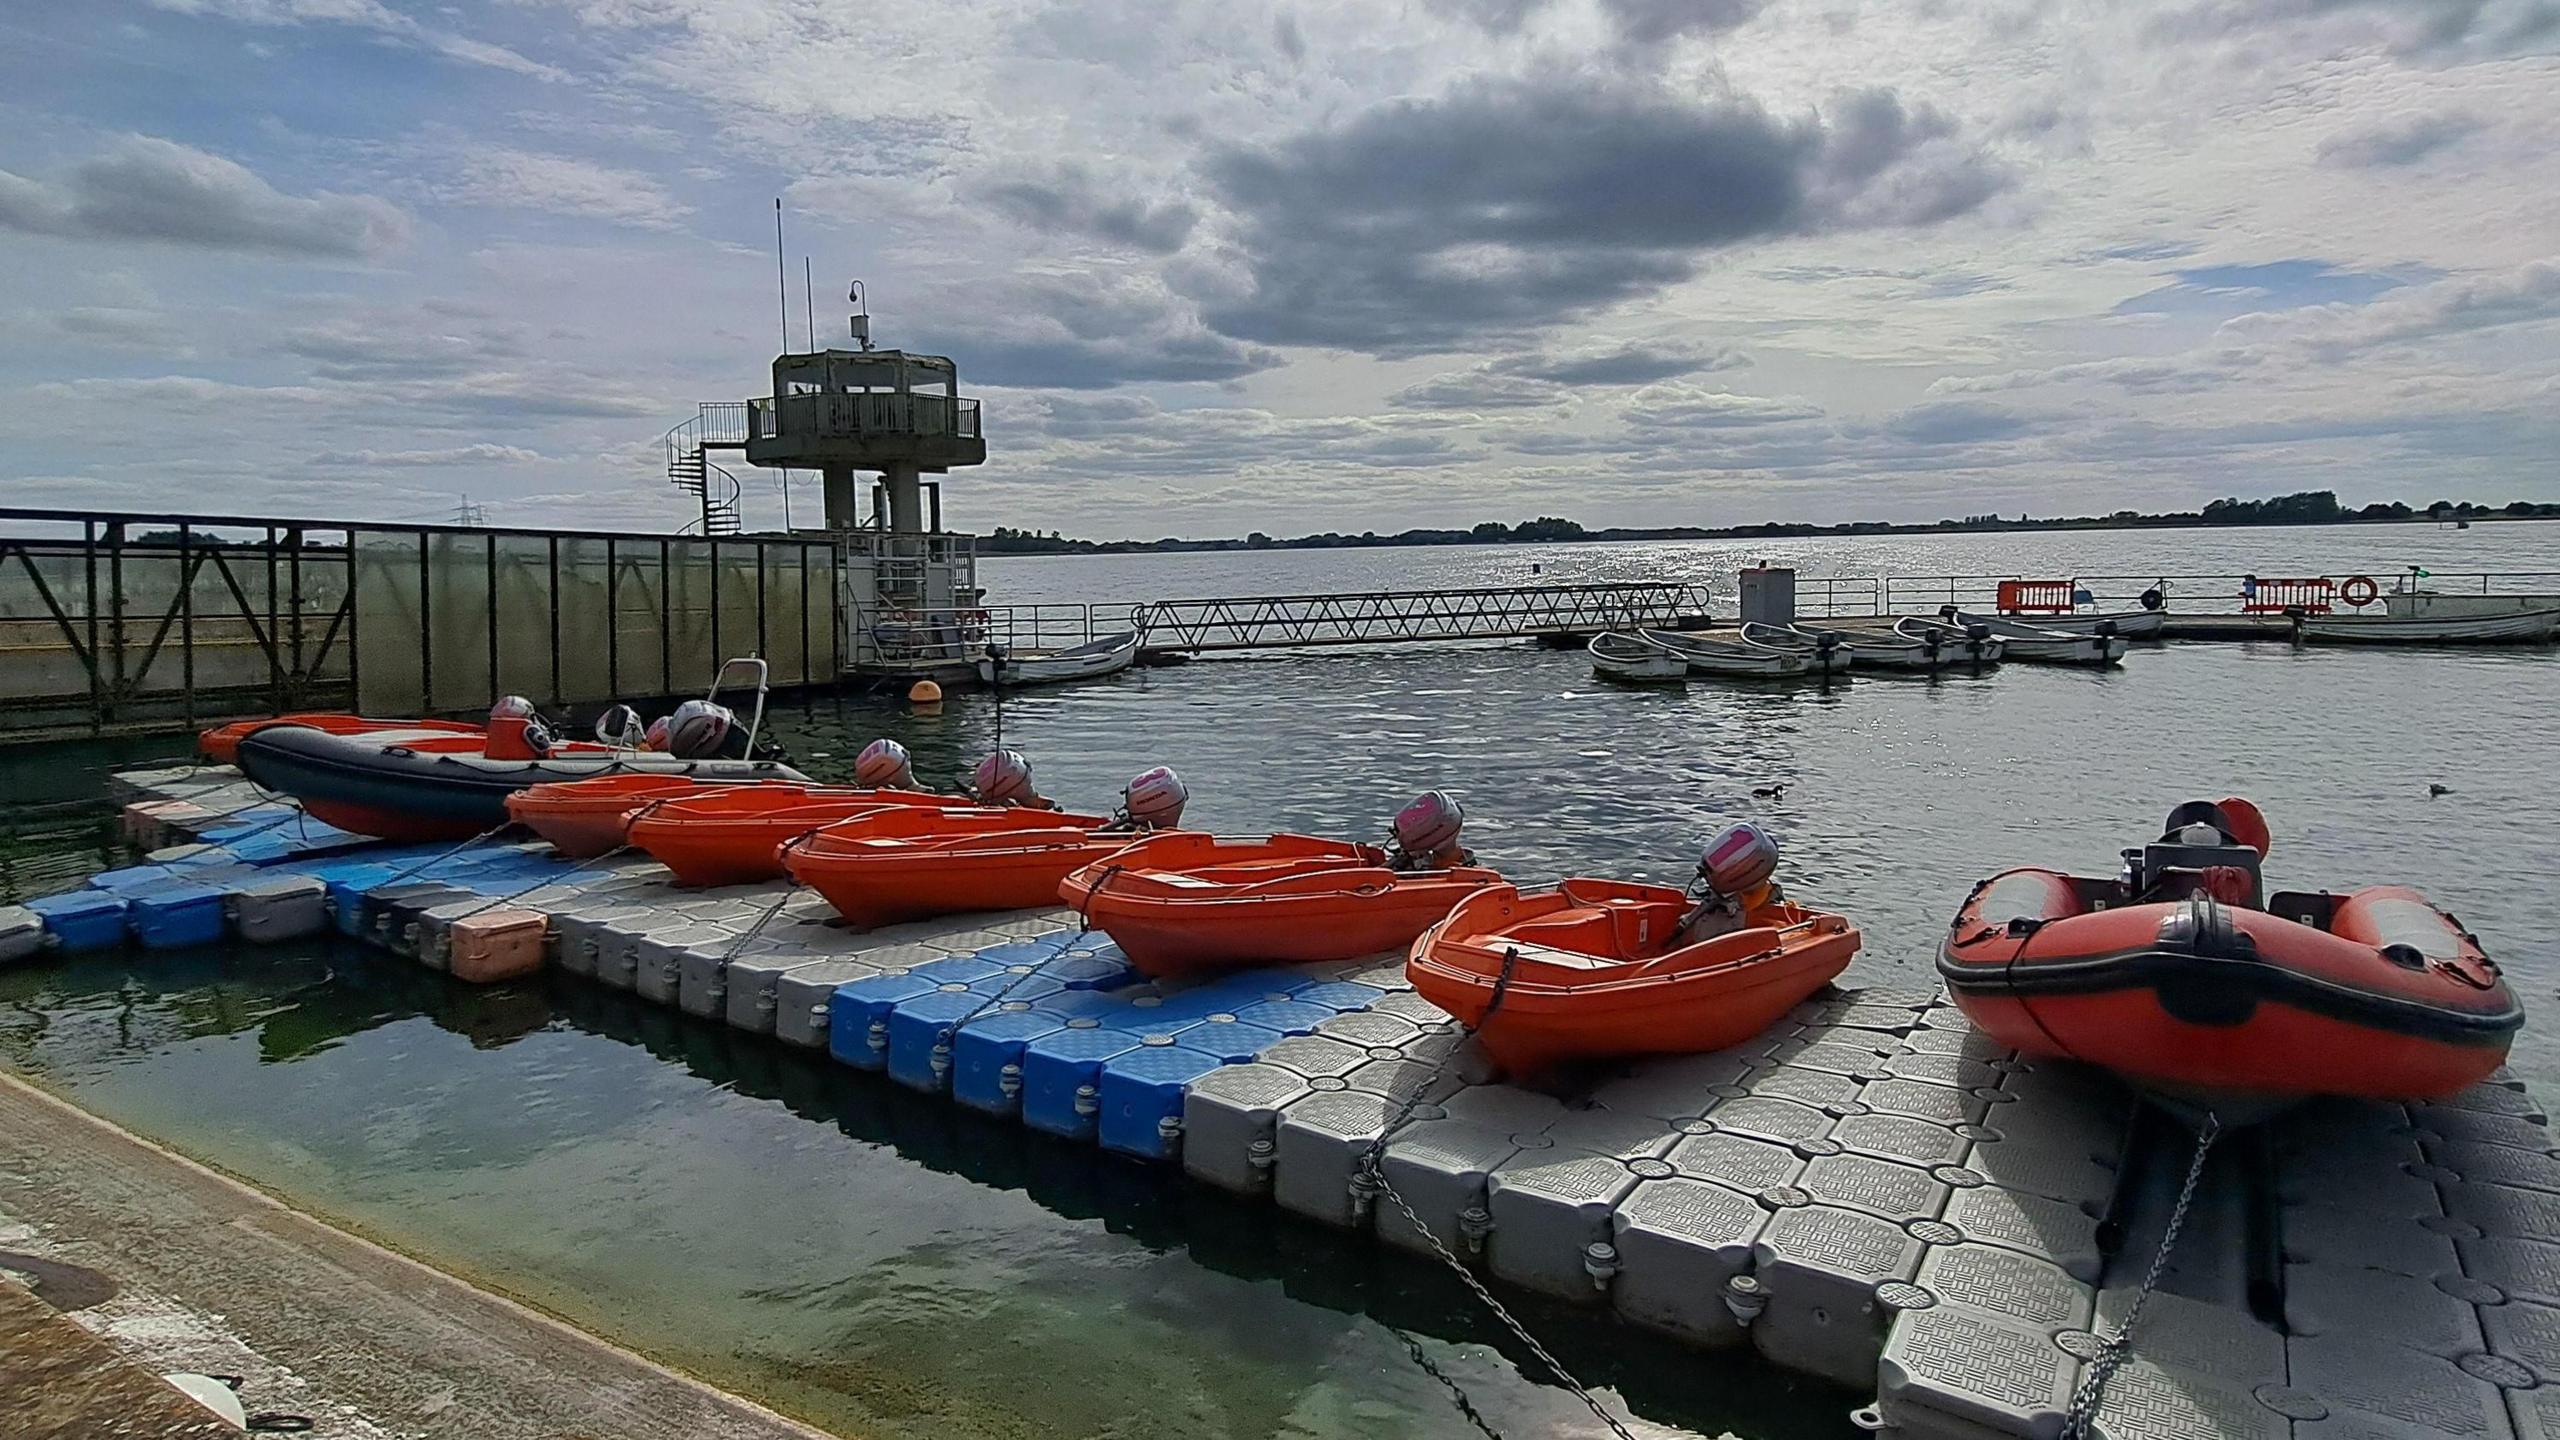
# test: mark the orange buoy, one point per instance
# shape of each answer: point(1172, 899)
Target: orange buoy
point(925, 692)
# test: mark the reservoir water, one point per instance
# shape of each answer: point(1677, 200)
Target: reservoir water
point(871, 1261)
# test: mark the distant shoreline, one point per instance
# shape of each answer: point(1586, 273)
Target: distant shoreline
point(2253, 515)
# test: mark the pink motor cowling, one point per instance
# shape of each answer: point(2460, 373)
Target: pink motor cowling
point(884, 765)
point(512, 707)
point(1740, 860)
point(1155, 799)
point(655, 737)
point(1430, 824)
point(700, 729)
point(1004, 778)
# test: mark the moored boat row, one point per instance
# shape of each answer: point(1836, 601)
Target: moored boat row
point(2180, 974)
point(1915, 644)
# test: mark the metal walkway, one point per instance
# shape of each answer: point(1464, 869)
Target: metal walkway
point(1256, 622)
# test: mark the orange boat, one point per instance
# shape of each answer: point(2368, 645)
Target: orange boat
point(2178, 977)
point(221, 744)
point(1598, 968)
point(1181, 902)
point(586, 818)
point(729, 836)
point(912, 862)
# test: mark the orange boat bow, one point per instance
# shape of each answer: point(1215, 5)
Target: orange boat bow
point(1590, 975)
point(587, 818)
point(1182, 902)
point(221, 744)
point(911, 863)
point(729, 837)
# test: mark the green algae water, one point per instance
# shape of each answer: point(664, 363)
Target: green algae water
point(874, 1261)
point(866, 1258)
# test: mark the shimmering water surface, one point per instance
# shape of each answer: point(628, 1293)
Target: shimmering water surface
point(874, 1261)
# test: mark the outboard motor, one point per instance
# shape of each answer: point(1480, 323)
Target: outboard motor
point(655, 737)
point(884, 765)
point(706, 730)
point(516, 731)
point(1740, 862)
point(1004, 778)
point(1427, 833)
point(1153, 801)
point(1738, 875)
point(2204, 848)
point(620, 727)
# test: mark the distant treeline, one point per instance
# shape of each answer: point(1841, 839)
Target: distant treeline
point(2310, 507)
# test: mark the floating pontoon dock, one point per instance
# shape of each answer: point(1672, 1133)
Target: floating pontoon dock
point(1871, 1192)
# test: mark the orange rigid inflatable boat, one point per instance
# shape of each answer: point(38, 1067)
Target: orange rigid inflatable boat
point(729, 835)
point(2178, 977)
point(1181, 902)
point(1597, 968)
point(586, 818)
point(221, 744)
point(913, 862)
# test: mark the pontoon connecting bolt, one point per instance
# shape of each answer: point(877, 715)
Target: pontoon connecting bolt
point(878, 1036)
point(1365, 1186)
point(1169, 1130)
point(941, 1059)
point(1600, 1262)
point(1088, 1100)
point(1009, 1081)
point(1474, 1224)
point(1746, 1297)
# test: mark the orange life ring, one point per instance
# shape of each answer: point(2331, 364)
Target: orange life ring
point(2359, 591)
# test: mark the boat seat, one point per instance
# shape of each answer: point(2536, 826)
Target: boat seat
point(1532, 953)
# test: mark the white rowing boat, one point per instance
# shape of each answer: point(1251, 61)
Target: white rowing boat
point(1943, 644)
point(2519, 627)
point(1867, 649)
point(1622, 656)
point(2131, 624)
point(1105, 655)
point(1827, 651)
point(2035, 643)
point(1731, 655)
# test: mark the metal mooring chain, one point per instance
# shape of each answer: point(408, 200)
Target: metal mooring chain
point(2117, 1348)
point(1373, 1175)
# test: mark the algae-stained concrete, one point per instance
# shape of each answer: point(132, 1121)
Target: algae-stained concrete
point(366, 1340)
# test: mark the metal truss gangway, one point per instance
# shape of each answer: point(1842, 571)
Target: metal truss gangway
point(1557, 613)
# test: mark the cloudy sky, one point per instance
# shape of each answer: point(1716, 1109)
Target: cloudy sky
point(1220, 265)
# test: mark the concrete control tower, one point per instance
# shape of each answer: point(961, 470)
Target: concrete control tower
point(892, 414)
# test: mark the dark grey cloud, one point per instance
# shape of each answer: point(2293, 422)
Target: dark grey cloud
point(1635, 363)
point(1288, 38)
point(1658, 22)
point(1073, 200)
point(1509, 206)
point(142, 188)
point(1954, 422)
point(1088, 330)
point(2404, 140)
